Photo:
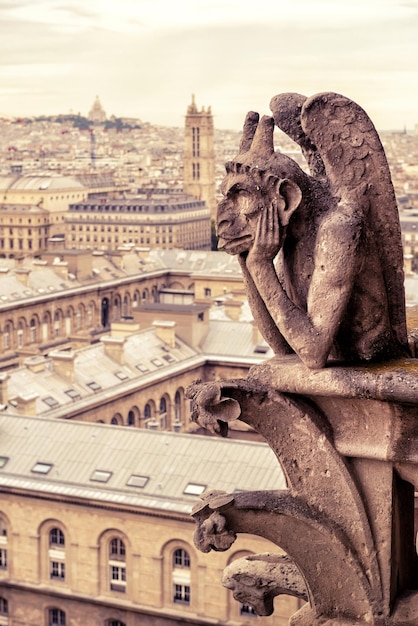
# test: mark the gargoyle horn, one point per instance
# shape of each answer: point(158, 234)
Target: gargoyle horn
point(257, 138)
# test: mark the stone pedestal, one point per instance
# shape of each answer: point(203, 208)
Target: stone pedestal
point(347, 440)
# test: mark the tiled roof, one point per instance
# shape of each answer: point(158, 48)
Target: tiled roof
point(165, 463)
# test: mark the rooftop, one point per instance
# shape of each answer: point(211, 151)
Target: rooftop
point(132, 467)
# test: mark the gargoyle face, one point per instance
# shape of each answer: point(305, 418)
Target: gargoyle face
point(238, 214)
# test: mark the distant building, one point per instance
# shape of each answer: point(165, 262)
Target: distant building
point(137, 374)
point(199, 156)
point(97, 113)
point(95, 525)
point(24, 230)
point(157, 218)
point(69, 298)
point(50, 192)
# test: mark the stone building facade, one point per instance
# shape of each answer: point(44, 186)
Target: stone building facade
point(70, 298)
point(109, 537)
point(24, 230)
point(52, 192)
point(154, 218)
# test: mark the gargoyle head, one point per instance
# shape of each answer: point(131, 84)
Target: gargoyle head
point(258, 176)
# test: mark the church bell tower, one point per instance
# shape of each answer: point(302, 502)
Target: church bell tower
point(199, 156)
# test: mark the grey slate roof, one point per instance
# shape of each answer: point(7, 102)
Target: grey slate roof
point(170, 461)
point(234, 339)
point(92, 365)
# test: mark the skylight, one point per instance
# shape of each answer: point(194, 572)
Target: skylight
point(41, 468)
point(3, 461)
point(194, 489)
point(142, 368)
point(51, 402)
point(157, 362)
point(94, 386)
point(137, 481)
point(74, 395)
point(169, 358)
point(121, 375)
point(101, 476)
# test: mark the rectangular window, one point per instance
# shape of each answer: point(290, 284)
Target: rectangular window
point(182, 594)
point(58, 569)
point(117, 578)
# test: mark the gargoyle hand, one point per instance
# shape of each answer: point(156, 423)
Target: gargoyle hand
point(269, 235)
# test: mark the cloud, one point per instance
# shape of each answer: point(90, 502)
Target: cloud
point(146, 57)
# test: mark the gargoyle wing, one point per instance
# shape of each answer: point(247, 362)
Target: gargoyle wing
point(358, 173)
point(286, 109)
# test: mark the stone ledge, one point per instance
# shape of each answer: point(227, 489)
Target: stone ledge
point(391, 381)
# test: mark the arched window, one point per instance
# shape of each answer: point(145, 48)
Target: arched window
point(56, 554)
point(90, 315)
point(114, 622)
point(7, 334)
point(125, 311)
point(56, 537)
point(163, 412)
point(33, 330)
point(131, 418)
point(181, 558)
point(181, 577)
point(147, 411)
point(57, 324)
point(116, 309)
point(117, 549)
point(135, 300)
point(117, 565)
point(20, 334)
point(46, 322)
point(79, 317)
point(3, 545)
point(177, 407)
point(4, 607)
point(116, 419)
point(56, 617)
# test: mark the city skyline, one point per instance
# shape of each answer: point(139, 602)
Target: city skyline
point(145, 58)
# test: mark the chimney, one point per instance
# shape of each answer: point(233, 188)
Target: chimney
point(22, 274)
point(4, 377)
point(26, 404)
point(35, 363)
point(233, 309)
point(63, 363)
point(61, 268)
point(166, 331)
point(114, 348)
point(124, 328)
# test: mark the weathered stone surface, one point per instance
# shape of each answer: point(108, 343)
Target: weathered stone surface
point(321, 254)
point(258, 579)
point(321, 258)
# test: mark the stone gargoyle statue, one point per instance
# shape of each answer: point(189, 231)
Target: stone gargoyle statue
point(322, 262)
point(321, 253)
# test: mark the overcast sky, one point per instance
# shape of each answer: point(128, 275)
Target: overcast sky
point(144, 58)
